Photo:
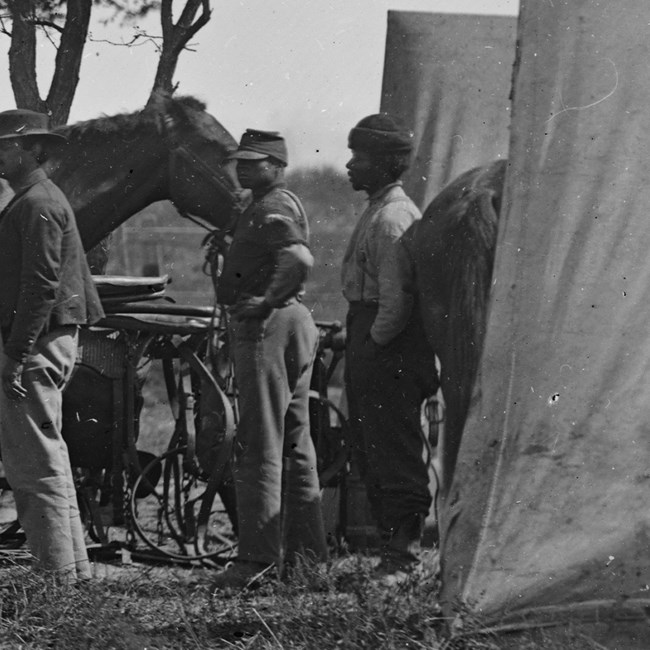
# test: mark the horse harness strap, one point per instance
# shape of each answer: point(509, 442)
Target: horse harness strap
point(297, 206)
point(188, 404)
point(181, 151)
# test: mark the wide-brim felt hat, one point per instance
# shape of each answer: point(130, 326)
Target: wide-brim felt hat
point(258, 145)
point(20, 122)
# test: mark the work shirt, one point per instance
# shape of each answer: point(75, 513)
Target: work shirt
point(268, 255)
point(377, 267)
point(44, 277)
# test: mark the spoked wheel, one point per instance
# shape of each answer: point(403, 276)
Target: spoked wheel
point(181, 517)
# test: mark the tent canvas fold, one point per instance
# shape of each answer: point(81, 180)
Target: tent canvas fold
point(548, 512)
point(448, 77)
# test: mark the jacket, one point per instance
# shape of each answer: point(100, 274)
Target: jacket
point(44, 277)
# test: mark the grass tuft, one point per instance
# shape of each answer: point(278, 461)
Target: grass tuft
point(333, 606)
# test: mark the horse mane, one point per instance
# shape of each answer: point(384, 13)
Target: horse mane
point(126, 125)
point(460, 226)
point(470, 262)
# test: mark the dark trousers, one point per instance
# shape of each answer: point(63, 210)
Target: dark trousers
point(385, 389)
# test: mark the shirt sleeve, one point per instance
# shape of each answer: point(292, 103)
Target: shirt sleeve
point(293, 264)
point(41, 227)
point(281, 230)
point(394, 276)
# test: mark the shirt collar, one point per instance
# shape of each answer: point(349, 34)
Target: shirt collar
point(35, 176)
point(379, 194)
point(269, 188)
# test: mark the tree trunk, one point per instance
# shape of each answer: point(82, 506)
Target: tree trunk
point(22, 56)
point(68, 60)
point(175, 38)
point(22, 59)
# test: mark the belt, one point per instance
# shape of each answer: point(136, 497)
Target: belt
point(50, 325)
point(292, 300)
point(361, 305)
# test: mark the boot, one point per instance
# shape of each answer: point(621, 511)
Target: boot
point(240, 575)
point(400, 551)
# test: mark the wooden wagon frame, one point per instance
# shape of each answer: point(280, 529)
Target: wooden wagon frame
point(169, 501)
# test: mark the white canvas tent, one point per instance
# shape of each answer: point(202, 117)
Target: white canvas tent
point(448, 77)
point(548, 515)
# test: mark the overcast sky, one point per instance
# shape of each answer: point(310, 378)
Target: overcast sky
point(308, 68)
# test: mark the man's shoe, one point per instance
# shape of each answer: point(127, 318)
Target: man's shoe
point(240, 575)
point(394, 569)
point(392, 574)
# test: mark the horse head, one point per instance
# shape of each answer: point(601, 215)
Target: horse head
point(110, 168)
point(202, 180)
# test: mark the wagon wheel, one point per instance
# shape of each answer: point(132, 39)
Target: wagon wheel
point(329, 426)
point(169, 519)
point(181, 517)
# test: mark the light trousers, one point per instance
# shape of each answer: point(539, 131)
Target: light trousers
point(36, 460)
point(279, 513)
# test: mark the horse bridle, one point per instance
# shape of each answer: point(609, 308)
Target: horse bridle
point(178, 151)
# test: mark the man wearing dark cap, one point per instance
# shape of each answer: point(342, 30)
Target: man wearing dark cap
point(273, 343)
point(45, 294)
point(390, 369)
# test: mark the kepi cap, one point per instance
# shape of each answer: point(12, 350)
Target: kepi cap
point(20, 122)
point(257, 145)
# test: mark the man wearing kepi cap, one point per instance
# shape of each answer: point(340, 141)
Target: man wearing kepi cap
point(273, 346)
point(45, 294)
point(390, 369)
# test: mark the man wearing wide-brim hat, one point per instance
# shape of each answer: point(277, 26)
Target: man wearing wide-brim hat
point(273, 344)
point(45, 294)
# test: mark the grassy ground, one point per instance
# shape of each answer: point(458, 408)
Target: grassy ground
point(338, 606)
point(335, 607)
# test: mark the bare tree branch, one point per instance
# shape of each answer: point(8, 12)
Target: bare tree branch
point(48, 23)
point(175, 39)
point(3, 27)
point(142, 37)
point(67, 31)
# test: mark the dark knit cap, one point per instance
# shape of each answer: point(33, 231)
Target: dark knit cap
point(380, 133)
point(257, 145)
